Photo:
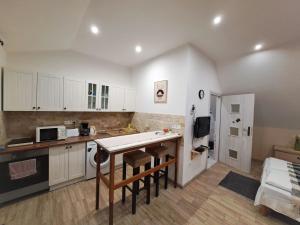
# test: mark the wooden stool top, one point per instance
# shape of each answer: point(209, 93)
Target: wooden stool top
point(157, 151)
point(137, 158)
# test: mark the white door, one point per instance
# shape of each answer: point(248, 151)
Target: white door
point(49, 93)
point(76, 160)
point(74, 95)
point(117, 95)
point(237, 114)
point(58, 165)
point(129, 104)
point(19, 91)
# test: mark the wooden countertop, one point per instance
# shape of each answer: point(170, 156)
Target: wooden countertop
point(68, 141)
point(43, 145)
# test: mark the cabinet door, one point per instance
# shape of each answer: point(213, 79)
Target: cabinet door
point(117, 95)
point(129, 104)
point(58, 165)
point(49, 93)
point(74, 95)
point(76, 160)
point(19, 92)
point(104, 98)
point(92, 94)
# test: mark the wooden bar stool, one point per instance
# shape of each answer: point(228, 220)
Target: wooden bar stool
point(136, 159)
point(158, 152)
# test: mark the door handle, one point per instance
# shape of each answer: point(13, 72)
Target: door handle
point(249, 131)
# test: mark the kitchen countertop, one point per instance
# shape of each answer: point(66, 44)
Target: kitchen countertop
point(70, 140)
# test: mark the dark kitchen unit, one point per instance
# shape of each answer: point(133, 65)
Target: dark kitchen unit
point(13, 187)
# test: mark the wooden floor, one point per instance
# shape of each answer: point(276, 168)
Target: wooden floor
point(201, 202)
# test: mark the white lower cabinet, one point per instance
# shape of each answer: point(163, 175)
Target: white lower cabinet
point(76, 161)
point(66, 163)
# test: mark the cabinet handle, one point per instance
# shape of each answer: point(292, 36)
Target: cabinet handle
point(33, 107)
point(298, 157)
point(38, 107)
point(70, 146)
point(67, 147)
point(65, 108)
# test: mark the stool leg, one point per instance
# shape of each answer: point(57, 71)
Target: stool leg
point(156, 176)
point(134, 190)
point(124, 177)
point(155, 164)
point(138, 182)
point(147, 183)
point(167, 172)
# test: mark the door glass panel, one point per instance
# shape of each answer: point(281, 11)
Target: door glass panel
point(233, 154)
point(102, 90)
point(94, 89)
point(94, 102)
point(102, 103)
point(235, 108)
point(90, 89)
point(89, 102)
point(106, 103)
point(234, 131)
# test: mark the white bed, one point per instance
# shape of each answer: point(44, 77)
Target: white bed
point(277, 195)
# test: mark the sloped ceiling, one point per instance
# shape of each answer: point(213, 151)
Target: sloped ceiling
point(274, 77)
point(158, 25)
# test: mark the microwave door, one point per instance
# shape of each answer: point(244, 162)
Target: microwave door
point(49, 134)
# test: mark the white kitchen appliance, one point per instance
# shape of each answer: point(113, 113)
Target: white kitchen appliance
point(91, 160)
point(50, 133)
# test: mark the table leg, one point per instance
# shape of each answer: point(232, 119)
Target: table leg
point(176, 162)
point(98, 178)
point(111, 188)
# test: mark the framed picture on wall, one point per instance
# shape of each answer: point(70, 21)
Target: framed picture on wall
point(160, 91)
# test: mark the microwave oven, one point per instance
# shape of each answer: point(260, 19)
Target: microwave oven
point(51, 133)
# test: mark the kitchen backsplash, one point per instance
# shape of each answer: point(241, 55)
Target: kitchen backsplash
point(153, 121)
point(23, 124)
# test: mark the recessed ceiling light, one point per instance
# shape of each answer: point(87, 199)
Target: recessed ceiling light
point(138, 49)
point(94, 29)
point(258, 47)
point(217, 20)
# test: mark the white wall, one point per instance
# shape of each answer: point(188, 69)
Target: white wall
point(202, 75)
point(71, 64)
point(187, 71)
point(171, 66)
point(274, 76)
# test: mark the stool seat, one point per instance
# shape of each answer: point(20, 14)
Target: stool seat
point(137, 158)
point(157, 151)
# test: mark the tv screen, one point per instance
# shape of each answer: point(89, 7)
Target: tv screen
point(202, 127)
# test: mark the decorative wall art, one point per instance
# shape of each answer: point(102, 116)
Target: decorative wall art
point(160, 91)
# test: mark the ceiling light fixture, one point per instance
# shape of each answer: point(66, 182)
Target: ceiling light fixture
point(138, 49)
point(258, 47)
point(217, 20)
point(94, 29)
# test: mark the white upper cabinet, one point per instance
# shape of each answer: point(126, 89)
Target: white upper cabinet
point(104, 98)
point(19, 93)
point(117, 96)
point(74, 95)
point(92, 96)
point(49, 93)
point(129, 102)
point(43, 92)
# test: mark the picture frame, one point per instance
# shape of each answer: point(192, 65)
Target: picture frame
point(161, 92)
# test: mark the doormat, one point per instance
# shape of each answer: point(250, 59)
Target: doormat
point(248, 187)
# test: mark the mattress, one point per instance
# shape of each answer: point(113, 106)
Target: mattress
point(278, 199)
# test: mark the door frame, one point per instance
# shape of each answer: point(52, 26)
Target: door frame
point(218, 121)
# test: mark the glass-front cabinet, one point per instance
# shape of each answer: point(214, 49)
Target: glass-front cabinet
point(104, 99)
point(92, 96)
point(97, 96)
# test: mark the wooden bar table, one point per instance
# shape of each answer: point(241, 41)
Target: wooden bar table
point(127, 143)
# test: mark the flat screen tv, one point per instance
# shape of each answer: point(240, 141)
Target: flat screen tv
point(202, 127)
